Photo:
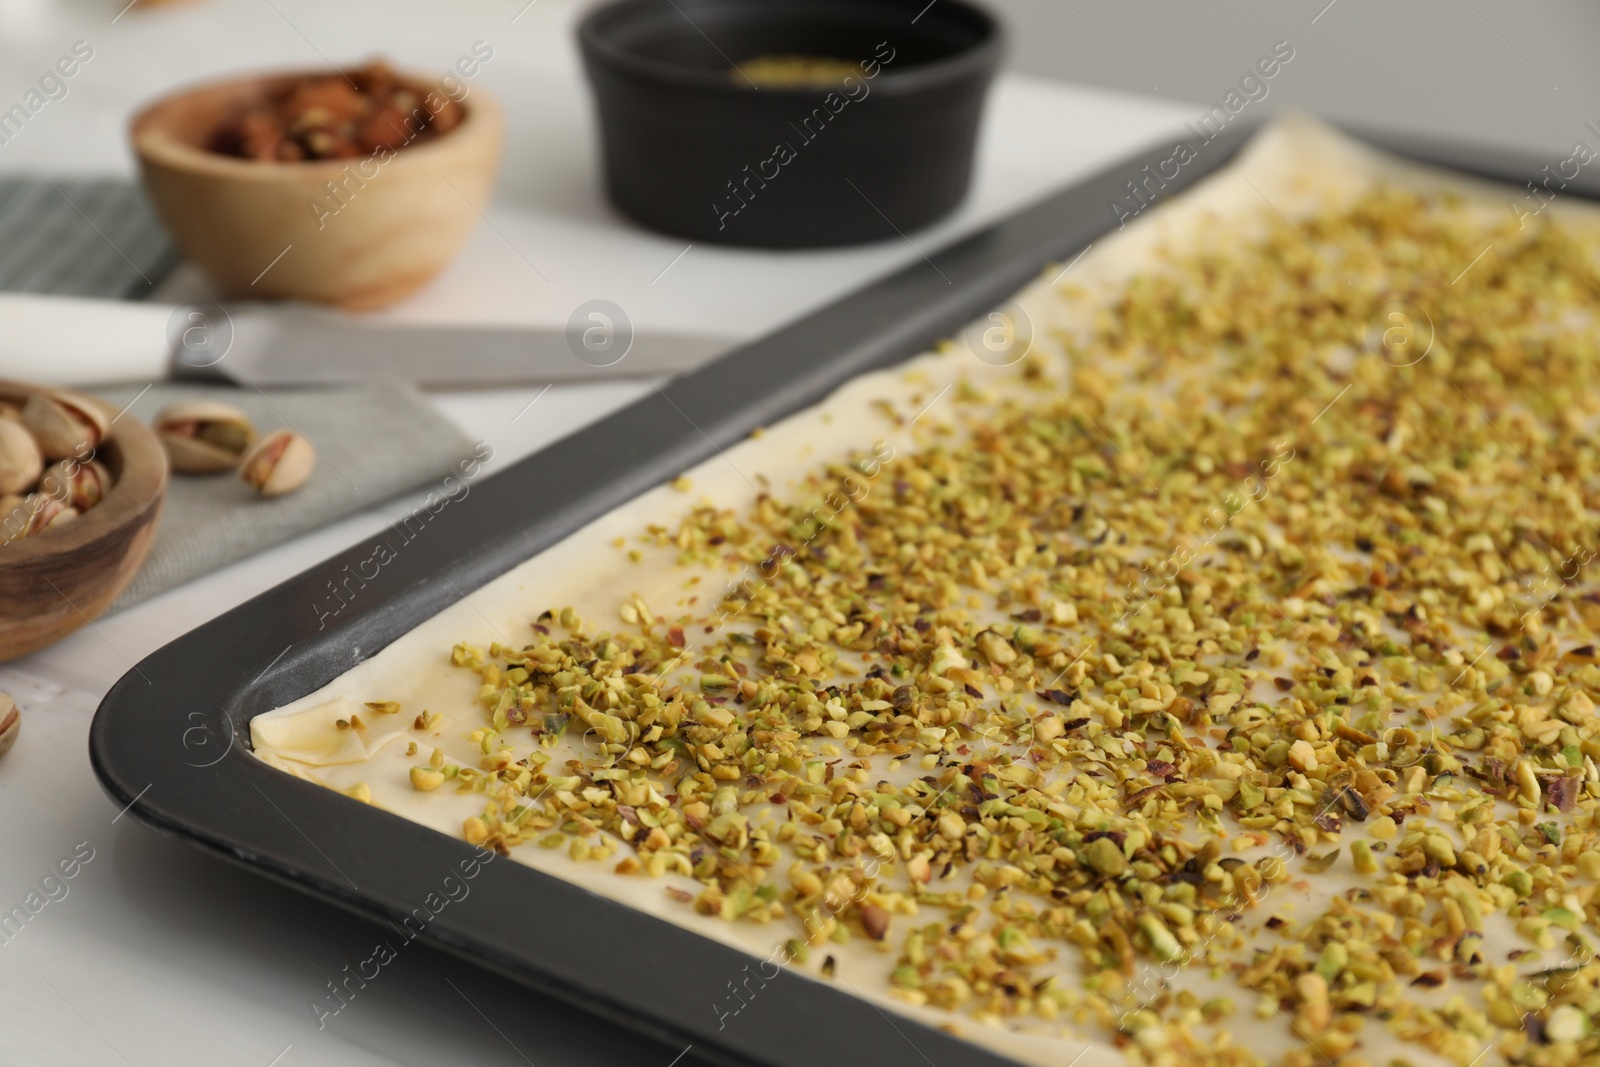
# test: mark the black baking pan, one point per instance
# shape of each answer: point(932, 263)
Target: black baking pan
point(694, 146)
point(170, 738)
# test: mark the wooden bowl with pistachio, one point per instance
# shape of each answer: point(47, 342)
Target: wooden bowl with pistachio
point(80, 492)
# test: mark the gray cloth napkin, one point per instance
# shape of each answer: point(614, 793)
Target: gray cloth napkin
point(372, 443)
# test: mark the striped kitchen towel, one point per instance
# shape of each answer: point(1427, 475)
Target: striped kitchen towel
point(80, 237)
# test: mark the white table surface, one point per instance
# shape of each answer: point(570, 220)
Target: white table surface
point(159, 955)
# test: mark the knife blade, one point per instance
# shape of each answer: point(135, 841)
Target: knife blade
point(75, 341)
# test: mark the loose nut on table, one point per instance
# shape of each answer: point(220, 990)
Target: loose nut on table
point(20, 459)
point(65, 424)
point(10, 723)
point(203, 437)
point(278, 463)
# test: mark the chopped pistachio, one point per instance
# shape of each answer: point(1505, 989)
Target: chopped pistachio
point(1103, 855)
point(426, 779)
point(1063, 692)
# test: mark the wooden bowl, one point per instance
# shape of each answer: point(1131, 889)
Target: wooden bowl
point(56, 581)
point(357, 233)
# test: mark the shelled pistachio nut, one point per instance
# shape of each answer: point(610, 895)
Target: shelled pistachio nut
point(79, 485)
point(203, 437)
point(20, 459)
point(64, 423)
point(10, 723)
point(278, 463)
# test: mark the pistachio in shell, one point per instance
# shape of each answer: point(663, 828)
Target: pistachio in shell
point(203, 437)
point(46, 513)
point(37, 513)
point(91, 485)
point(64, 423)
point(20, 459)
point(78, 485)
point(10, 723)
point(278, 463)
point(15, 515)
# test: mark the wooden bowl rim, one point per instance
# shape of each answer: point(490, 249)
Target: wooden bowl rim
point(138, 488)
point(153, 142)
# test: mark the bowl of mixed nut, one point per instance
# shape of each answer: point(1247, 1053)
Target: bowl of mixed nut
point(351, 188)
point(80, 492)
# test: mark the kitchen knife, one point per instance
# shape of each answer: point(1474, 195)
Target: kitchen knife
point(75, 341)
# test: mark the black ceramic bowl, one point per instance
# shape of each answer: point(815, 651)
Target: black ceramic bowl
point(693, 148)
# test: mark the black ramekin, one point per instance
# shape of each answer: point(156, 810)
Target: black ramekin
point(691, 150)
